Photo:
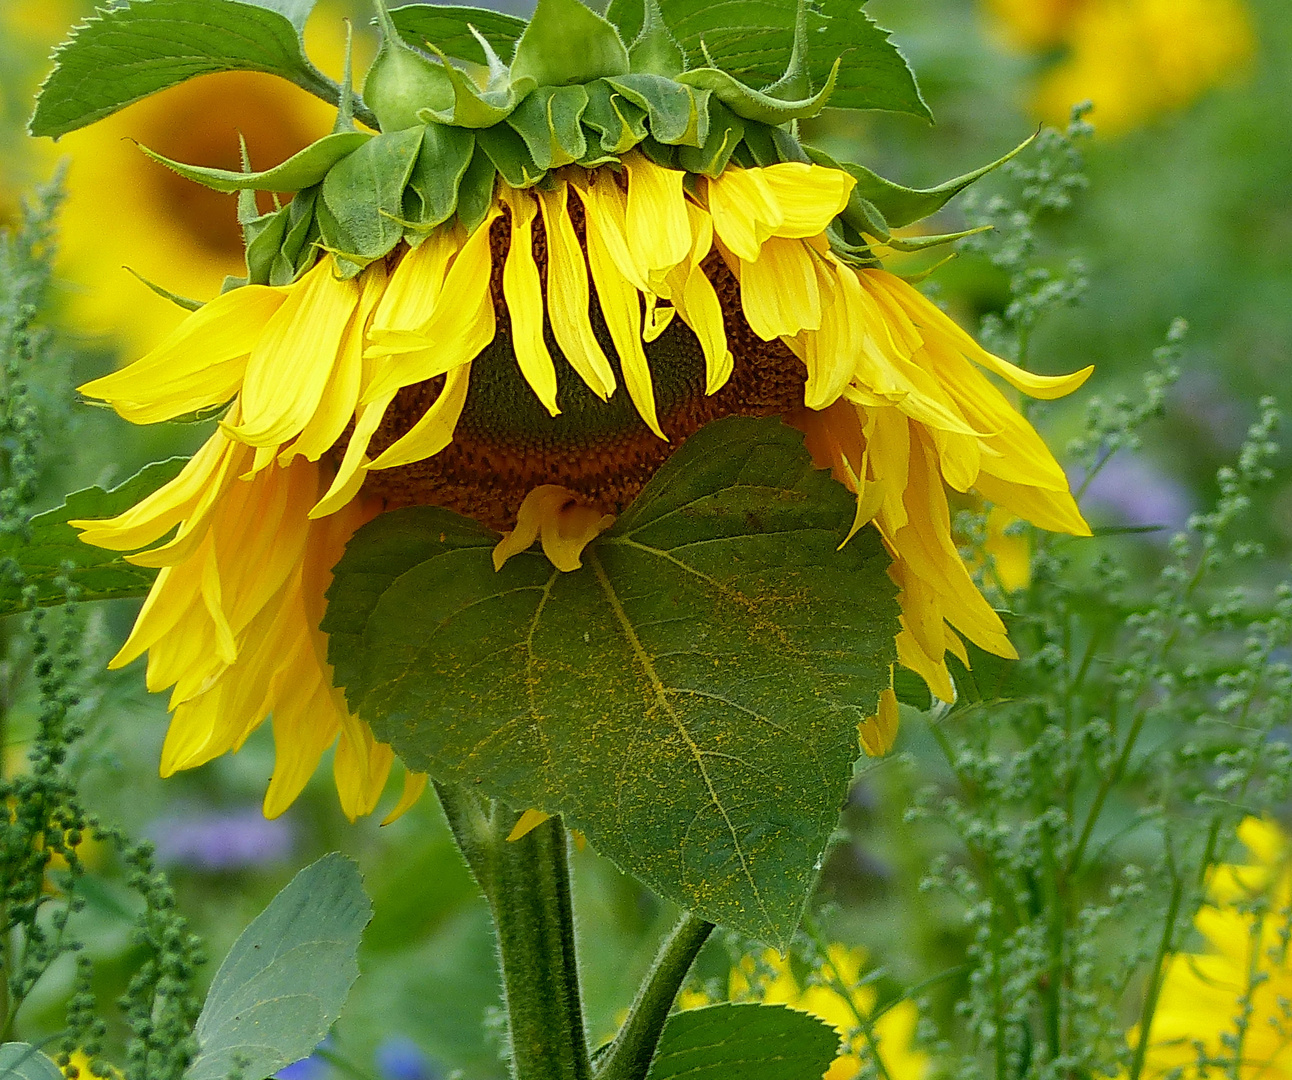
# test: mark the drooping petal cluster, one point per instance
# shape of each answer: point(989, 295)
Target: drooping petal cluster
point(894, 401)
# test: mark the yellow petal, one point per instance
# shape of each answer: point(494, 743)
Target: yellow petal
point(555, 515)
point(779, 291)
point(360, 766)
point(415, 286)
point(414, 785)
point(355, 464)
point(809, 196)
point(745, 211)
point(932, 319)
point(523, 290)
point(199, 365)
point(461, 325)
point(434, 431)
point(527, 823)
point(294, 357)
point(879, 732)
point(658, 228)
point(569, 297)
point(305, 725)
point(337, 408)
point(621, 306)
point(697, 303)
point(606, 214)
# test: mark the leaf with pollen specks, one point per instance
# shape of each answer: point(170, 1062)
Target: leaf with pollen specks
point(689, 699)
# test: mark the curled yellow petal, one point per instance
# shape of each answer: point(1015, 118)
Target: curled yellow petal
point(658, 228)
point(745, 211)
point(523, 290)
point(565, 526)
point(879, 732)
point(434, 431)
point(809, 196)
point(569, 296)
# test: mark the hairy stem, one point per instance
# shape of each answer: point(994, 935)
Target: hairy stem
point(527, 884)
point(629, 1056)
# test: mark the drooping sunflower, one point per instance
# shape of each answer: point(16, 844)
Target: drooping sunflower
point(516, 302)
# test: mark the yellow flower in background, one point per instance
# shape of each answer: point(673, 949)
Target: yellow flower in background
point(1135, 59)
point(1227, 1012)
point(469, 373)
point(835, 993)
point(124, 210)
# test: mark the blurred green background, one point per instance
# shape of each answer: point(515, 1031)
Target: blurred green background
point(1188, 214)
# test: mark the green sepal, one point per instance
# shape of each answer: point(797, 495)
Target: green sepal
point(924, 243)
point(677, 114)
point(902, 205)
point(433, 187)
point(566, 43)
point(726, 130)
point(665, 156)
point(402, 81)
point(297, 252)
point(656, 51)
point(264, 236)
point(619, 122)
point(761, 146)
point(458, 30)
point(363, 198)
point(787, 147)
point(750, 104)
point(473, 107)
point(180, 301)
point(550, 122)
point(301, 170)
point(475, 192)
point(510, 155)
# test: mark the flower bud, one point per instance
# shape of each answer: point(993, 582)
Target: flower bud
point(401, 80)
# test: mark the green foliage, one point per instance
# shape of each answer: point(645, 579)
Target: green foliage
point(760, 1042)
point(301, 170)
point(284, 981)
point(51, 558)
point(126, 53)
point(449, 29)
point(715, 774)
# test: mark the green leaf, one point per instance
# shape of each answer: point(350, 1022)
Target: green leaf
point(301, 170)
point(126, 53)
point(448, 28)
point(287, 976)
point(22, 1061)
point(902, 205)
point(549, 120)
point(566, 43)
point(753, 40)
point(445, 156)
point(362, 200)
point(53, 549)
point(753, 1042)
point(689, 698)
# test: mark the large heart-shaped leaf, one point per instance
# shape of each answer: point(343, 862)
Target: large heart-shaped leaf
point(689, 698)
point(753, 1042)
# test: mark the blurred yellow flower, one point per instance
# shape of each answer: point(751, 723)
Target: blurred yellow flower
point(124, 210)
point(1228, 1012)
point(836, 994)
point(1135, 59)
point(79, 1068)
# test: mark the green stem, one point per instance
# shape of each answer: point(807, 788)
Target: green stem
point(527, 884)
point(629, 1056)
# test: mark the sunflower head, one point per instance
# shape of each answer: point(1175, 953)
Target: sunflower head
point(602, 299)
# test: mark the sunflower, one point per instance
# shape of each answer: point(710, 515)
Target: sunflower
point(1135, 59)
point(1225, 1012)
point(528, 353)
point(835, 992)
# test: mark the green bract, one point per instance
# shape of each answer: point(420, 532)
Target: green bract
point(688, 84)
